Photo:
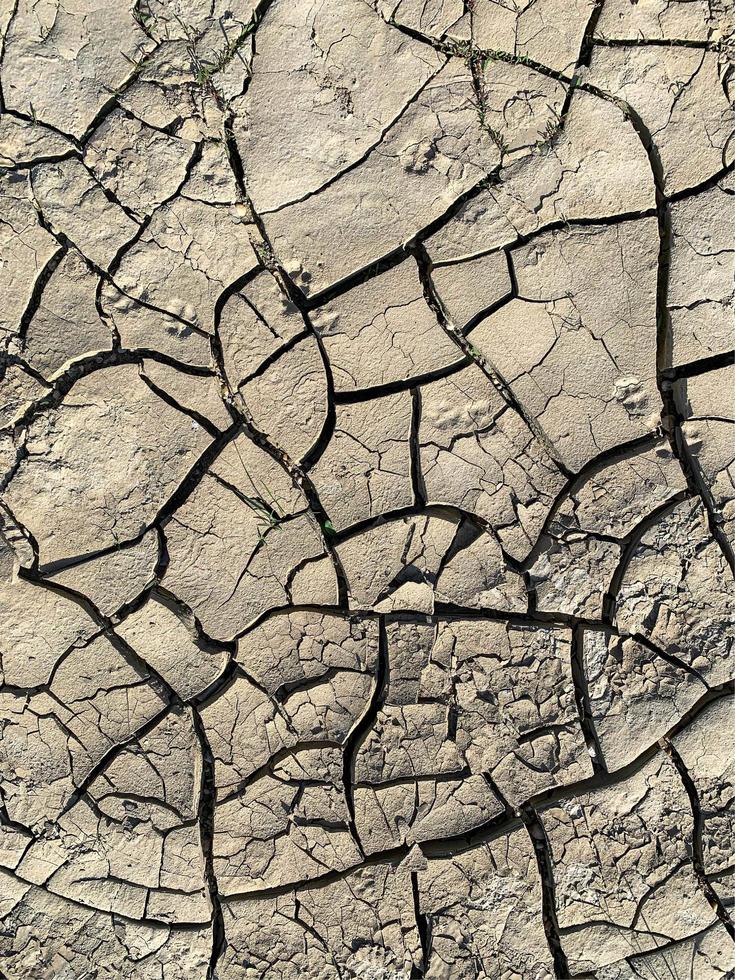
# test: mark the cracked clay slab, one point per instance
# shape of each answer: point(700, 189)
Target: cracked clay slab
point(367, 490)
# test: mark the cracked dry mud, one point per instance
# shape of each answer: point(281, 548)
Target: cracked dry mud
point(367, 442)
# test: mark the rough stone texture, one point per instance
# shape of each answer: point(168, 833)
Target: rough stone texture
point(367, 490)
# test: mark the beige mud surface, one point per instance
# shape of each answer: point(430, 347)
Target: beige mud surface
point(367, 489)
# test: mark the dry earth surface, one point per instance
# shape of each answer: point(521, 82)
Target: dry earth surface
point(368, 489)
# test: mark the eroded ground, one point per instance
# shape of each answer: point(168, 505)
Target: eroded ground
point(368, 495)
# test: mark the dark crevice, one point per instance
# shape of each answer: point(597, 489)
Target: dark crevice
point(694, 368)
point(654, 42)
point(483, 314)
point(273, 358)
point(670, 658)
point(348, 397)
point(207, 798)
point(544, 860)
point(42, 280)
point(423, 926)
point(582, 698)
point(419, 509)
point(417, 479)
point(588, 38)
point(360, 731)
point(707, 184)
point(201, 420)
point(24, 117)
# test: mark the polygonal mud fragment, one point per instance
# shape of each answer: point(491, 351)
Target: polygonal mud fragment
point(23, 142)
point(707, 396)
point(256, 323)
point(701, 294)
point(144, 327)
point(483, 910)
point(140, 165)
point(200, 397)
point(467, 290)
point(623, 879)
point(479, 455)
point(210, 177)
point(347, 88)
point(116, 577)
point(677, 593)
point(707, 758)
point(287, 401)
point(679, 99)
point(166, 643)
point(476, 573)
point(66, 324)
point(38, 626)
point(635, 695)
point(383, 331)
point(366, 468)
point(422, 810)
point(19, 390)
point(101, 464)
point(706, 403)
point(707, 406)
point(76, 207)
point(711, 444)
point(613, 497)
point(85, 52)
point(548, 32)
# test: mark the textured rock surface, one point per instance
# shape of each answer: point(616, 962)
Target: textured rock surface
point(367, 490)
